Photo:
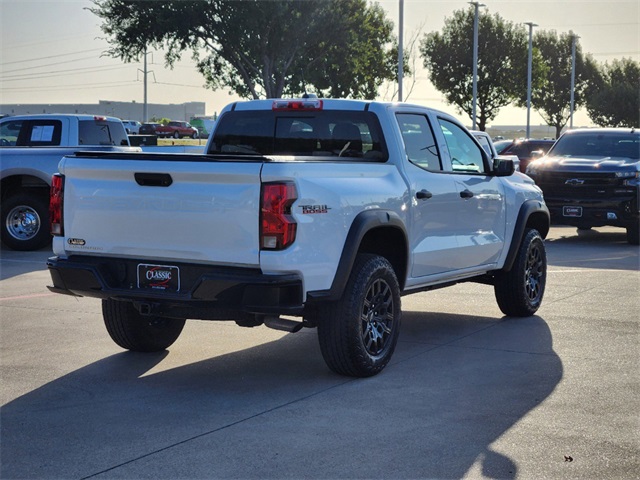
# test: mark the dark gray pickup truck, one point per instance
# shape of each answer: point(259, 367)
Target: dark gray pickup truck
point(591, 178)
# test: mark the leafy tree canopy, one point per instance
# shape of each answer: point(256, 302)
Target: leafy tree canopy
point(552, 98)
point(502, 63)
point(615, 102)
point(261, 48)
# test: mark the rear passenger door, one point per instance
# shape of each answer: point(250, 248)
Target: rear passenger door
point(479, 223)
point(434, 201)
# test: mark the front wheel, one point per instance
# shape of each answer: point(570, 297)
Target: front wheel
point(136, 332)
point(176, 134)
point(359, 332)
point(519, 291)
point(25, 221)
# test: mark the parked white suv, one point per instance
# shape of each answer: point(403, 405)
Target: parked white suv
point(132, 126)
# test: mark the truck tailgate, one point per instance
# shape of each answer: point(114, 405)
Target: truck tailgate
point(196, 211)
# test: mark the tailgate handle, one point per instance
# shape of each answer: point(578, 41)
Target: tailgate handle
point(153, 179)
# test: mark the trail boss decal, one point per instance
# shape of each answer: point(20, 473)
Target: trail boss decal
point(312, 209)
point(158, 277)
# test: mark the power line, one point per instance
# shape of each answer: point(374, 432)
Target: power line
point(47, 65)
point(71, 86)
point(178, 85)
point(58, 73)
point(52, 56)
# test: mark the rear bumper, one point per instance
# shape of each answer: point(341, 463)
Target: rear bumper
point(203, 288)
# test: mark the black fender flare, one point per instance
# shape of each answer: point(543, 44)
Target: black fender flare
point(528, 209)
point(364, 222)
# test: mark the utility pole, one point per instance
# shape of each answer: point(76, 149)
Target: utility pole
point(573, 76)
point(145, 72)
point(475, 60)
point(529, 68)
point(145, 112)
point(400, 52)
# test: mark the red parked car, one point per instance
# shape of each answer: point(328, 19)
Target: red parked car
point(523, 149)
point(177, 130)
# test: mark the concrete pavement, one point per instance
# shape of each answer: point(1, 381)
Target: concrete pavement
point(468, 394)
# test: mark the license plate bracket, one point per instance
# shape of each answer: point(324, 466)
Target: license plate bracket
point(158, 277)
point(571, 211)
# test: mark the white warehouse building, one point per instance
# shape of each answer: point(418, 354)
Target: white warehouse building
point(122, 110)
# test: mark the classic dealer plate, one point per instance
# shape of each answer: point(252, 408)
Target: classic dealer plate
point(572, 211)
point(158, 277)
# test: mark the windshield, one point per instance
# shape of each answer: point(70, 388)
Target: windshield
point(598, 144)
point(323, 133)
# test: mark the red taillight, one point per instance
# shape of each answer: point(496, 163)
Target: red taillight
point(310, 104)
point(99, 119)
point(55, 204)
point(277, 226)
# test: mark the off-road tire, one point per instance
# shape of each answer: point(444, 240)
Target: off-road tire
point(139, 333)
point(25, 220)
point(519, 291)
point(359, 332)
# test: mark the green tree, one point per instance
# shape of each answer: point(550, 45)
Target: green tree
point(615, 102)
point(360, 57)
point(260, 48)
point(552, 97)
point(502, 63)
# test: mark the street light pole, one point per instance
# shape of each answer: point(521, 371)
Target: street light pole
point(400, 52)
point(475, 60)
point(529, 68)
point(573, 76)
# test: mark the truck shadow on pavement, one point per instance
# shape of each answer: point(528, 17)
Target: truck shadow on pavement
point(455, 385)
point(593, 249)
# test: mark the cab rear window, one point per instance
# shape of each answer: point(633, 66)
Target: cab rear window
point(323, 133)
point(97, 132)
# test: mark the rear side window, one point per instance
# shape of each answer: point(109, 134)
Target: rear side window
point(99, 132)
point(31, 133)
point(419, 143)
point(326, 133)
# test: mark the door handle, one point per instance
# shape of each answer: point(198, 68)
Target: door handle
point(153, 179)
point(424, 195)
point(466, 193)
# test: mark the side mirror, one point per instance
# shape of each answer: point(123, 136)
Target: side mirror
point(503, 168)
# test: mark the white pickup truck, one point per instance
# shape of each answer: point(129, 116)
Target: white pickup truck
point(302, 213)
point(30, 148)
